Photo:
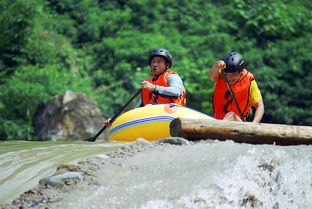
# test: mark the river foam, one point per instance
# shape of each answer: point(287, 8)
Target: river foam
point(203, 175)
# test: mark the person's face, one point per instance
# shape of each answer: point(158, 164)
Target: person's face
point(158, 65)
point(233, 77)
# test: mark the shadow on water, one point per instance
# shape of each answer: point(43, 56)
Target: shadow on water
point(24, 163)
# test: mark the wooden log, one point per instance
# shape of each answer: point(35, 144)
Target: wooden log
point(243, 132)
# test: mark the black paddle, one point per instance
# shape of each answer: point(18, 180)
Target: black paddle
point(233, 95)
point(92, 139)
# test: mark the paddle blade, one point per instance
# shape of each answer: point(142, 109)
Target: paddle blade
point(91, 139)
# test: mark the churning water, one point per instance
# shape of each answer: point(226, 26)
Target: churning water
point(202, 175)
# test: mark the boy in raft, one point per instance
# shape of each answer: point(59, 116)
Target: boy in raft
point(244, 88)
point(163, 86)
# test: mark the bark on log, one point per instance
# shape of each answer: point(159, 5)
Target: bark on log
point(243, 132)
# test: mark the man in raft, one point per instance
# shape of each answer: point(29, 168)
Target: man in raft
point(244, 88)
point(164, 86)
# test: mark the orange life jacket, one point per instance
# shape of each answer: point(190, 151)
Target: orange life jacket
point(154, 97)
point(223, 101)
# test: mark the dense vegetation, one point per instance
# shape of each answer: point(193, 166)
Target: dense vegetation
point(100, 47)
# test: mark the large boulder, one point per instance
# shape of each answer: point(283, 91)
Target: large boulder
point(67, 117)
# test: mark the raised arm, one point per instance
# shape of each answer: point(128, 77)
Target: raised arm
point(214, 71)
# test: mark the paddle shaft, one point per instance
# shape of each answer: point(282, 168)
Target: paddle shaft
point(92, 139)
point(233, 95)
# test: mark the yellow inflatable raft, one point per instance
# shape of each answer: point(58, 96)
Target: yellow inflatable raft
point(150, 122)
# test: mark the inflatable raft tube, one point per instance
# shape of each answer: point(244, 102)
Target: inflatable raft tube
point(150, 122)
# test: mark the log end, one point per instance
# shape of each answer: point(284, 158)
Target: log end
point(175, 127)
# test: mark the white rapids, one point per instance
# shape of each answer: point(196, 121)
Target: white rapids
point(207, 174)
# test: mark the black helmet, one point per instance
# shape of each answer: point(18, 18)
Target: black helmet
point(161, 52)
point(234, 62)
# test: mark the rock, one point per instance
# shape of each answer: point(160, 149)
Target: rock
point(61, 178)
point(67, 117)
point(63, 168)
point(174, 140)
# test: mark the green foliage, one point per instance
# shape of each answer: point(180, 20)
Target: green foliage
point(267, 21)
point(16, 23)
point(26, 89)
point(291, 84)
point(101, 48)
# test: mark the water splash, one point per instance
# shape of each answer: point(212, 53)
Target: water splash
point(210, 174)
point(205, 175)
